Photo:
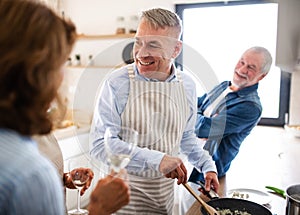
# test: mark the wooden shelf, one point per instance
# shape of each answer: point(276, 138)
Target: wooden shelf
point(102, 37)
point(95, 67)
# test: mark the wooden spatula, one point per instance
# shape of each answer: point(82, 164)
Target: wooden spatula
point(210, 210)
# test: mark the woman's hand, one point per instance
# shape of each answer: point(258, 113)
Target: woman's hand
point(110, 194)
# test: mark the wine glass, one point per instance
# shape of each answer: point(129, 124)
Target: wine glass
point(80, 176)
point(120, 143)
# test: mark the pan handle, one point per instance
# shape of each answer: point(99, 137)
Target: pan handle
point(210, 194)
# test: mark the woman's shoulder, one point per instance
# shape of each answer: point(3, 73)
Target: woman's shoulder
point(21, 153)
point(25, 166)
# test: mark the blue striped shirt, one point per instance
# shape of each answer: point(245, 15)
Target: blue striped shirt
point(29, 183)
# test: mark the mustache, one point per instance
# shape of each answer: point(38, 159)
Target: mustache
point(241, 75)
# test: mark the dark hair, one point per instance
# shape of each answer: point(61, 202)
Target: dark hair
point(34, 44)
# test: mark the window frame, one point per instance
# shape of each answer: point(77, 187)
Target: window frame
point(285, 77)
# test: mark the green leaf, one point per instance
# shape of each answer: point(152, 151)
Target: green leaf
point(277, 190)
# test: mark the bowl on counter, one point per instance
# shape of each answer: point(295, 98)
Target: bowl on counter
point(293, 129)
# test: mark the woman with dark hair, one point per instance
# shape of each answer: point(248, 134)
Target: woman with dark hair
point(34, 45)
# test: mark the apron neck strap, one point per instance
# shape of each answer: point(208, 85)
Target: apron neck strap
point(131, 74)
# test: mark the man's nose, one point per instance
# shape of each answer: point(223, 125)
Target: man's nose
point(242, 69)
point(142, 51)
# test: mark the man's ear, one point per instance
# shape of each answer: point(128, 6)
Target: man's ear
point(261, 77)
point(177, 49)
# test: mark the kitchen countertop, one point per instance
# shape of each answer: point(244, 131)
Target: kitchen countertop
point(268, 156)
point(71, 131)
point(276, 206)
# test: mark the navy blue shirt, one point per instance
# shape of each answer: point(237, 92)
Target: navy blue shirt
point(230, 123)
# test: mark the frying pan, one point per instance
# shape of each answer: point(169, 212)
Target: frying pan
point(234, 204)
point(237, 204)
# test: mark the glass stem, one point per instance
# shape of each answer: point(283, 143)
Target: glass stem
point(78, 200)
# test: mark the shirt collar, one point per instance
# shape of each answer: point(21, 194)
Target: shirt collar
point(245, 91)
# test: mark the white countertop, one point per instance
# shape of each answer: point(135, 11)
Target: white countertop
point(268, 156)
point(71, 131)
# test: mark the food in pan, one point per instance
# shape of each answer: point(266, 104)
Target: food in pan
point(240, 195)
point(229, 212)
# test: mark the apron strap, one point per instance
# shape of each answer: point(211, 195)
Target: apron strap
point(130, 72)
point(132, 75)
point(177, 74)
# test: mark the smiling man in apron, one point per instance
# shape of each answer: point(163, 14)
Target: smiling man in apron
point(159, 102)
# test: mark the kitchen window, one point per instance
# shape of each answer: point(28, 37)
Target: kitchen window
point(222, 31)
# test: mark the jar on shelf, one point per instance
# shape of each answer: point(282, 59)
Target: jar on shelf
point(90, 60)
point(120, 25)
point(133, 24)
point(77, 60)
point(69, 62)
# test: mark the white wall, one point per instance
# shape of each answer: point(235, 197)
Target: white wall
point(99, 16)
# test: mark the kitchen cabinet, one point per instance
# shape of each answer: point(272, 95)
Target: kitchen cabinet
point(288, 36)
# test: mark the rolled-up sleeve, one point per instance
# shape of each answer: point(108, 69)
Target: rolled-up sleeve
point(190, 145)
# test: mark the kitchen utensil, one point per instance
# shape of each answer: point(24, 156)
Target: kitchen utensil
point(236, 204)
point(208, 209)
point(211, 194)
point(293, 200)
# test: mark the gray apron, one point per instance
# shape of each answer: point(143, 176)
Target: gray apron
point(159, 112)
